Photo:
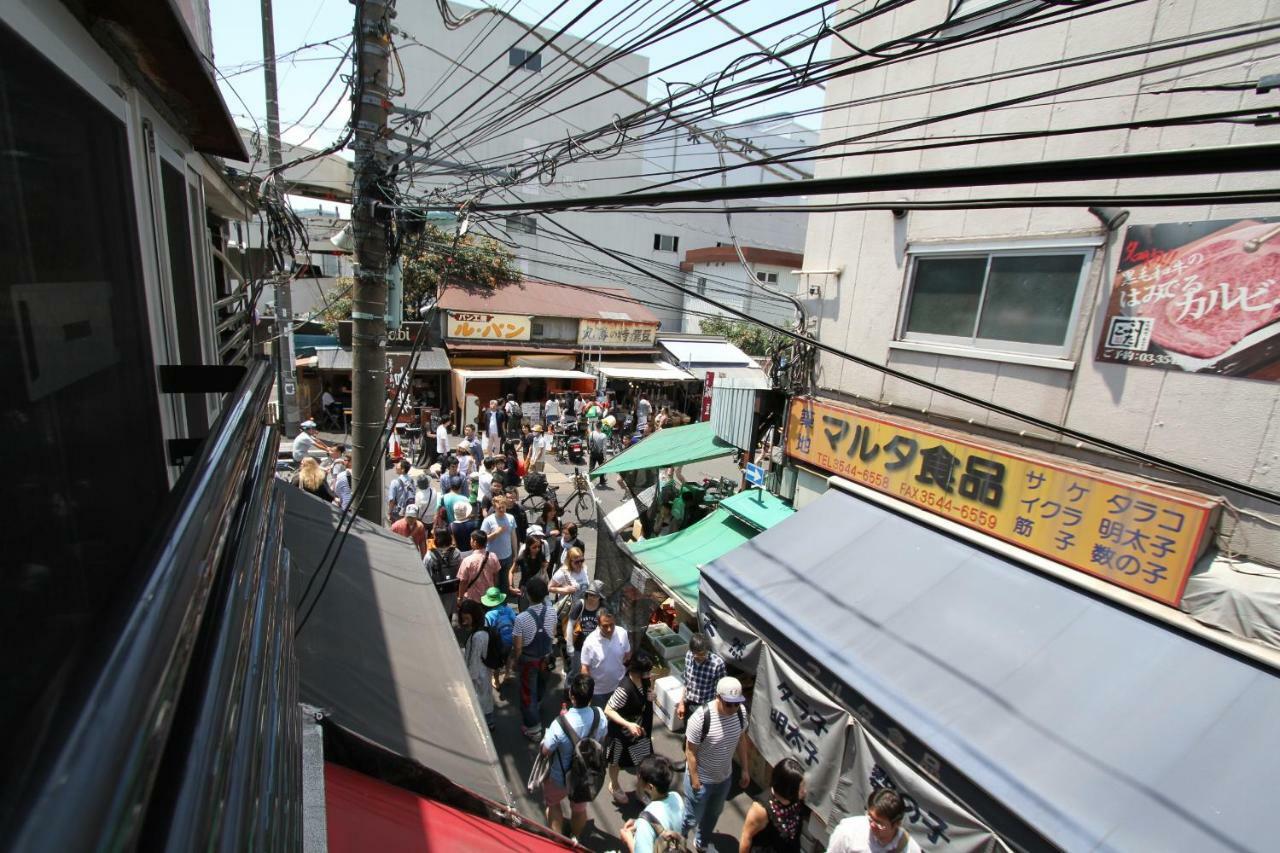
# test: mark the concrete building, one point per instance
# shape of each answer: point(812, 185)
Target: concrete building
point(445, 73)
point(718, 272)
point(1014, 306)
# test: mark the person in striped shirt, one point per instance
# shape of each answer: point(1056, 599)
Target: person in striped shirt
point(712, 738)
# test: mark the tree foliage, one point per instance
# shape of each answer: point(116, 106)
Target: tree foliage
point(749, 337)
point(430, 261)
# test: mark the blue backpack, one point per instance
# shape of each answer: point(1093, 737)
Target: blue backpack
point(504, 619)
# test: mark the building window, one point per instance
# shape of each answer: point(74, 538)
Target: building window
point(522, 224)
point(328, 265)
point(767, 277)
point(526, 59)
point(1006, 299)
point(702, 285)
point(666, 243)
point(78, 373)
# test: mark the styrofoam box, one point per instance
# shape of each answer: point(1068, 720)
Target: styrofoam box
point(666, 695)
point(657, 630)
point(671, 646)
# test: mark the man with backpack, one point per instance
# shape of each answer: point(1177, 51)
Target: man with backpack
point(400, 492)
point(576, 758)
point(713, 736)
point(658, 829)
point(531, 647)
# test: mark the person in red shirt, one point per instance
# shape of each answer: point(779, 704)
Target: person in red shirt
point(411, 527)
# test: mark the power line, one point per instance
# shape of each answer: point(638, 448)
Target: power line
point(1106, 444)
point(1193, 161)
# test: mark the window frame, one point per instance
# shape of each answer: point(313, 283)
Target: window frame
point(659, 238)
point(1086, 248)
point(529, 60)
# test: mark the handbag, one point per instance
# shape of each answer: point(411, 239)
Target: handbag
point(640, 748)
point(538, 772)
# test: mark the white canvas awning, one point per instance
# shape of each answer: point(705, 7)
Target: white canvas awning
point(519, 373)
point(644, 371)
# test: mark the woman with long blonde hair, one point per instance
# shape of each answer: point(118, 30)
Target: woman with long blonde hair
point(311, 479)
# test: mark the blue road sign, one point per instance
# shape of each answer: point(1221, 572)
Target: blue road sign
point(755, 475)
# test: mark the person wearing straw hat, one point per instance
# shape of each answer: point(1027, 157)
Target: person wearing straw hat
point(464, 524)
point(535, 458)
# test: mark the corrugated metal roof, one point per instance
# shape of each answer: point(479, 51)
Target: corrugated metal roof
point(542, 299)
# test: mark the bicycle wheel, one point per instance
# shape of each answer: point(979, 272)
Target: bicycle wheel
point(583, 508)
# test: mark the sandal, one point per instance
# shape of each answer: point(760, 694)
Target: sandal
point(620, 797)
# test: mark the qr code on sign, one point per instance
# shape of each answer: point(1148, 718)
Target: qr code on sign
point(1132, 333)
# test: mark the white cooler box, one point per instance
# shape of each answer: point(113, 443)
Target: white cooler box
point(666, 695)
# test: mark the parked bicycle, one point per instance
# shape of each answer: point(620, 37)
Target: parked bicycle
point(580, 504)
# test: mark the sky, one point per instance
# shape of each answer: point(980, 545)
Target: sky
point(237, 41)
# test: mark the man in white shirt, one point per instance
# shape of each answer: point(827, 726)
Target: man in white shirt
point(551, 410)
point(538, 449)
point(643, 410)
point(306, 441)
point(442, 438)
point(878, 831)
point(605, 653)
point(712, 738)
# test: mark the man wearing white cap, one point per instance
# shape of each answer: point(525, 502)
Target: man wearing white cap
point(712, 737)
point(306, 442)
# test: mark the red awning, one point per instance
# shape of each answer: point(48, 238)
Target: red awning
point(366, 814)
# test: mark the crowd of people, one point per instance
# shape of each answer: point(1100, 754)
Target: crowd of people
point(522, 602)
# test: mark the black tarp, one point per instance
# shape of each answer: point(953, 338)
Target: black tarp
point(1056, 716)
point(378, 654)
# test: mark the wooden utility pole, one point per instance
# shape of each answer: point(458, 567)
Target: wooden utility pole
point(282, 344)
point(369, 299)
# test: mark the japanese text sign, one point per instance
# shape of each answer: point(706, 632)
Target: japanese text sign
point(1199, 297)
point(616, 333)
point(488, 327)
point(1136, 534)
point(790, 718)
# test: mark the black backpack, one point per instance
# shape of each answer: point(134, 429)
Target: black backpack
point(706, 721)
point(584, 777)
point(495, 653)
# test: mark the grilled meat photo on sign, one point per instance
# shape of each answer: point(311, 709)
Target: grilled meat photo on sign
point(1206, 296)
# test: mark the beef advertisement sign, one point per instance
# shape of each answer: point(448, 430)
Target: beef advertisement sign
point(1199, 297)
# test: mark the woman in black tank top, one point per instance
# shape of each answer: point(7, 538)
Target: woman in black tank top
point(775, 823)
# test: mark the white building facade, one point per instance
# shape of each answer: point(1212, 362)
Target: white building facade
point(446, 73)
point(1013, 306)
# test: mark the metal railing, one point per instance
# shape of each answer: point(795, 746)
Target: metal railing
point(189, 736)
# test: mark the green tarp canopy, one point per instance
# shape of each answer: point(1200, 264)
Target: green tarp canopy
point(758, 508)
point(674, 560)
point(671, 446)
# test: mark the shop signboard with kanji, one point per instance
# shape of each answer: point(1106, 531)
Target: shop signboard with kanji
point(616, 333)
point(1198, 297)
point(1139, 535)
point(473, 326)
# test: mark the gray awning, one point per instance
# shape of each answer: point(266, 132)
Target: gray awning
point(378, 654)
point(1096, 728)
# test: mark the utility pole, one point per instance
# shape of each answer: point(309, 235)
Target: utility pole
point(369, 299)
point(282, 345)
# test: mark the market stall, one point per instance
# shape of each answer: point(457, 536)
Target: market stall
point(473, 388)
point(1012, 708)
